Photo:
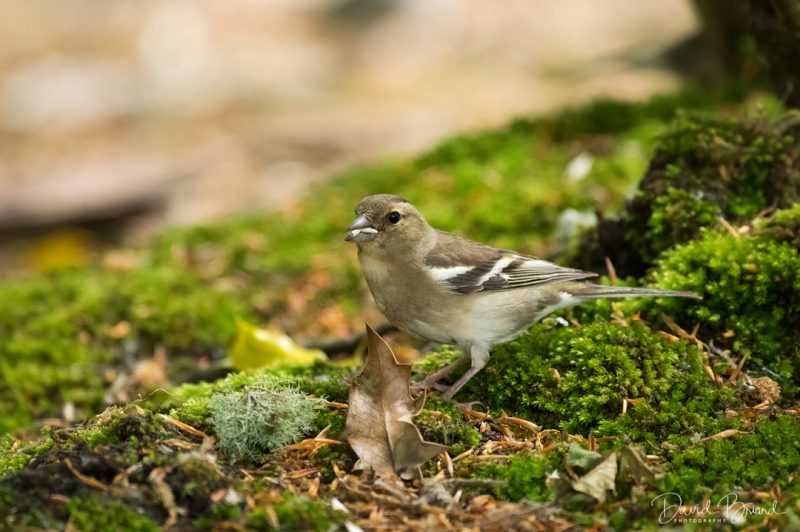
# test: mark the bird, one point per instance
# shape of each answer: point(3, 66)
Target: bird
point(447, 289)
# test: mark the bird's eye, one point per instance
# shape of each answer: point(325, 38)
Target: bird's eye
point(394, 217)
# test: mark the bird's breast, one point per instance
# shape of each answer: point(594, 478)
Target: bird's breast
point(409, 299)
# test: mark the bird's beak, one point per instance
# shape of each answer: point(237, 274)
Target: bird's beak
point(361, 230)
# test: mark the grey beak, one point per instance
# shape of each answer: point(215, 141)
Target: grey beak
point(360, 226)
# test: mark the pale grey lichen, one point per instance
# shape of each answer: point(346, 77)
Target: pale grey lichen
point(261, 417)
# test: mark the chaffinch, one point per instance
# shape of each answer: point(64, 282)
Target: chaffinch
point(450, 290)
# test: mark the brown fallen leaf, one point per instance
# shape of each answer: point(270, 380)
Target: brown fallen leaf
point(599, 480)
point(633, 464)
point(379, 424)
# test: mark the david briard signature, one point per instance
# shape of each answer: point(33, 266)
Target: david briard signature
point(728, 507)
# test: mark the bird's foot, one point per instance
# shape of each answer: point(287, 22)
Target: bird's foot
point(470, 405)
point(431, 382)
point(427, 384)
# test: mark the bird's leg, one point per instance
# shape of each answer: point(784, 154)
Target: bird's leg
point(432, 380)
point(479, 356)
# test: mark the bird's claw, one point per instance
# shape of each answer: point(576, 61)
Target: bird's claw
point(424, 385)
point(469, 405)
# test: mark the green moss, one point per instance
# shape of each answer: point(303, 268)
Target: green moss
point(192, 480)
point(295, 512)
point(605, 116)
point(750, 287)
point(524, 475)
point(440, 422)
point(676, 217)
point(758, 461)
point(435, 360)
point(183, 290)
point(783, 226)
point(598, 366)
point(57, 339)
point(98, 513)
point(15, 455)
point(706, 166)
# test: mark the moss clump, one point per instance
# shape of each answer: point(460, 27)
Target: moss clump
point(676, 216)
point(440, 422)
point(751, 299)
point(115, 426)
point(190, 403)
point(577, 378)
point(524, 475)
point(758, 461)
point(192, 481)
point(295, 512)
point(97, 513)
point(261, 417)
point(14, 456)
point(705, 167)
point(783, 226)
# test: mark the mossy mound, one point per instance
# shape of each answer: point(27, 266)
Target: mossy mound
point(751, 297)
point(705, 168)
point(765, 457)
point(782, 227)
point(524, 475)
point(578, 379)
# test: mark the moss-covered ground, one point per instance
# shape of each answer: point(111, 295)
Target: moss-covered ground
point(694, 398)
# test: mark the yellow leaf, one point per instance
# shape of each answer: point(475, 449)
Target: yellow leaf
point(61, 249)
point(256, 347)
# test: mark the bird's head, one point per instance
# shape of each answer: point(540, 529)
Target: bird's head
point(385, 220)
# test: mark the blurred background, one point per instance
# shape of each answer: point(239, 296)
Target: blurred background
point(120, 118)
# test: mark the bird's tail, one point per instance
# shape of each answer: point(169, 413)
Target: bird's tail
point(597, 291)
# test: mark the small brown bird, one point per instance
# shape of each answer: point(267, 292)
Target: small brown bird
point(450, 290)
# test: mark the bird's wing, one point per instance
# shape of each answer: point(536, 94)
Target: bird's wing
point(466, 267)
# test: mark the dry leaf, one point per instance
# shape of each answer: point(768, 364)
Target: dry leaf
point(577, 456)
point(599, 480)
point(596, 483)
point(633, 464)
point(379, 424)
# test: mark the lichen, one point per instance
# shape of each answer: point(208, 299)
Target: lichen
point(261, 417)
point(190, 403)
